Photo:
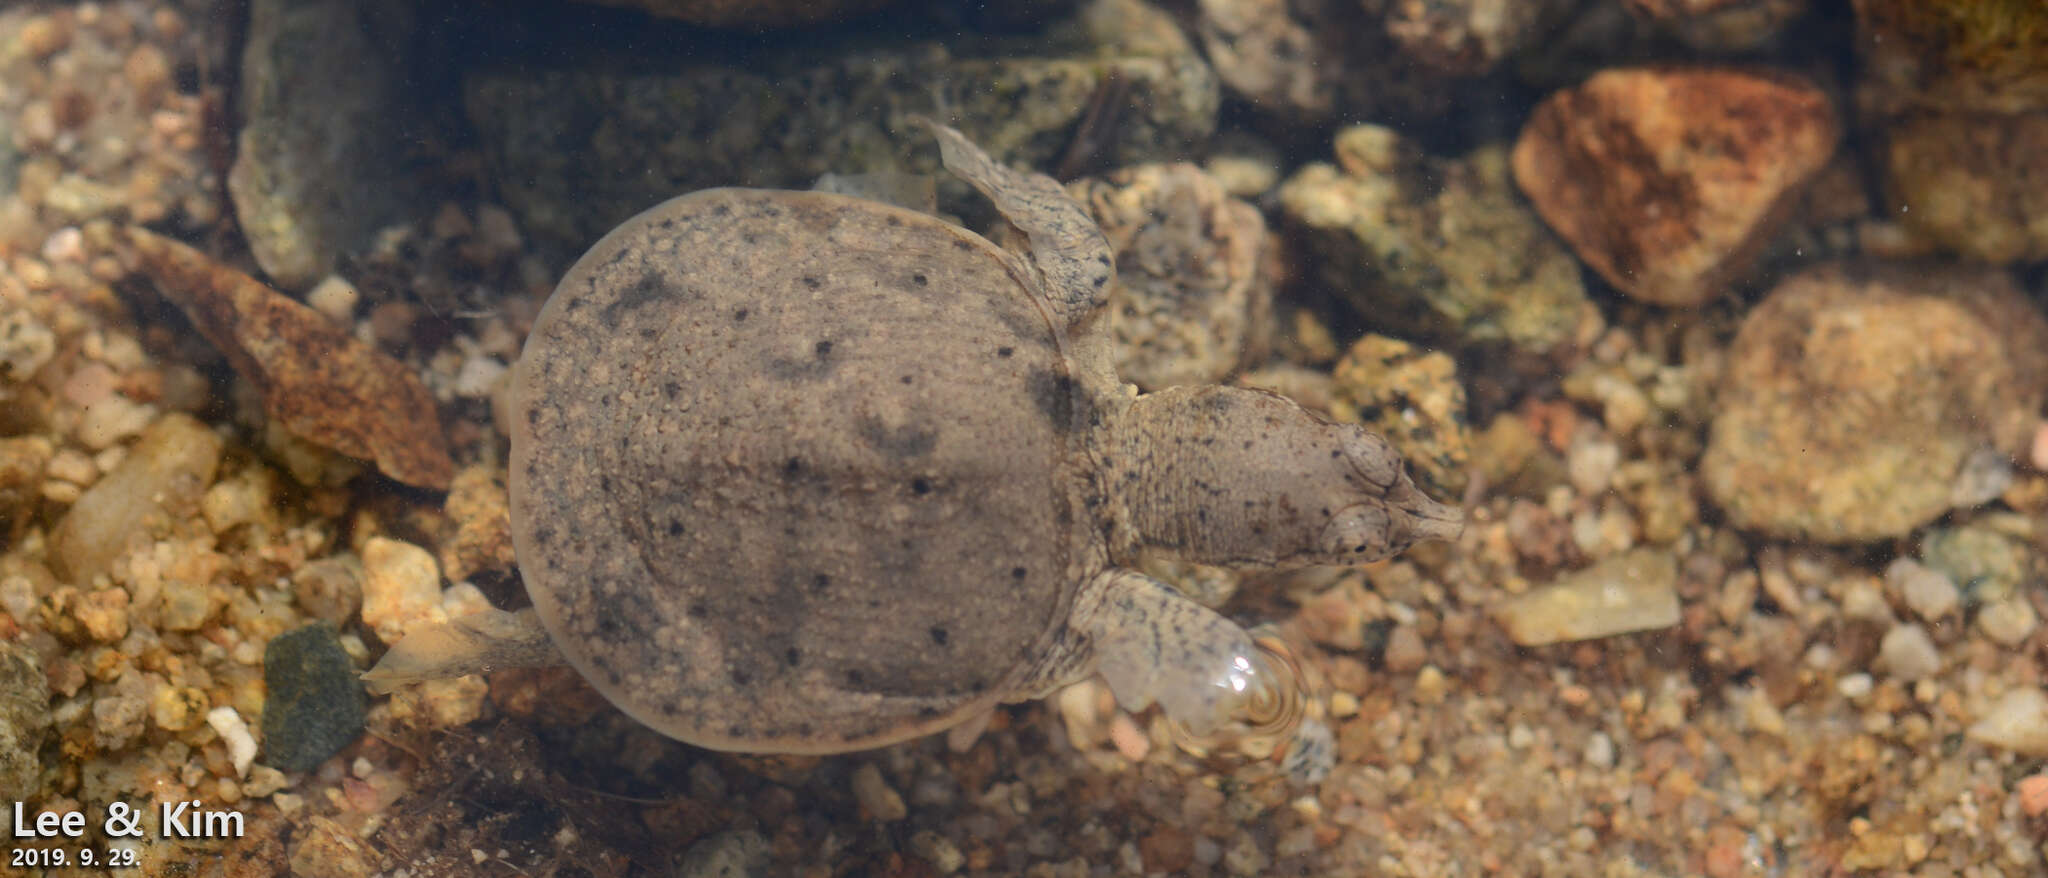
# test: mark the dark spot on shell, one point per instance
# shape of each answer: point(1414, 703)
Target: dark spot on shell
point(906, 379)
point(675, 528)
point(648, 289)
point(672, 389)
point(1060, 400)
point(939, 635)
point(823, 349)
point(927, 710)
point(920, 486)
point(1018, 573)
point(792, 656)
point(853, 677)
point(918, 279)
point(812, 282)
point(792, 466)
point(739, 316)
point(961, 245)
point(741, 677)
point(907, 441)
point(698, 611)
point(821, 582)
point(1005, 352)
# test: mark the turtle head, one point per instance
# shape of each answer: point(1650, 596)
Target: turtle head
point(1245, 478)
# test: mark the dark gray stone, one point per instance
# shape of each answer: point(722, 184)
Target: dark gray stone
point(315, 705)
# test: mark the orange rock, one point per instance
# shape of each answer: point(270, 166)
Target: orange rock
point(1666, 181)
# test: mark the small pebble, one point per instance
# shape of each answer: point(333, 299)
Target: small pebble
point(1854, 685)
point(2018, 721)
point(401, 587)
point(336, 298)
point(1636, 591)
point(734, 853)
point(2008, 622)
point(2033, 794)
point(1599, 750)
point(880, 800)
point(937, 850)
point(235, 733)
point(1405, 652)
point(1930, 594)
point(1908, 653)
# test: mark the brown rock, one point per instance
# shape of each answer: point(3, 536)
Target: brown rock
point(1167, 850)
point(1856, 395)
point(753, 13)
point(319, 382)
point(1958, 56)
point(1665, 181)
point(1973, 184)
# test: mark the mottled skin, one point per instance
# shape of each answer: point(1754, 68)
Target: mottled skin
point(796, 472)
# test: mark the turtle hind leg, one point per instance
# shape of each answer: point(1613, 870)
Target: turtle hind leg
point(471, 644)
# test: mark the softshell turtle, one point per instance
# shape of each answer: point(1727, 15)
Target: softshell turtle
point(795, 472)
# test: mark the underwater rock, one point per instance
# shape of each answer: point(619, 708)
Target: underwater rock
point(318, 381)
point(1721, 25)
point(1971, 184)
point(1435, 246)
point(319, 160)
point(1468, 37)
point(1410, 395)
point(1982, 56)
point(1636, 591)
point(2018, 721)
point(578, 150)
point(482, 542)
point(752, 13)
point(1666, 181)
point(735, 853)
point(1318, 60)
point(24, 713)
point(1194, 280)
point(1855, 395)
point(156, 487)
point(1991, 563)
point(314, 705)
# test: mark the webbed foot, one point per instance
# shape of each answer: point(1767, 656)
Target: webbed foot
point(471, 644)
point(1214, 680)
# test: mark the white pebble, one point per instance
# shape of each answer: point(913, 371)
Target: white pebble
point(65, 245)
point(335, 298)
point(2018, 722)
point(1854, 685)
point(478, 377)
point(2007, 622)
point(881, 801)
point(112, 420)
point(235, 733)
point(1908, 653)
point(1592, 463)
point(1928, 592)
point(1600, 750)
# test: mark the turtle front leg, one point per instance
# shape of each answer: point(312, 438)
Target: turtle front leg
point(482, 641)
point(1154, 645)
point(1068, 251)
